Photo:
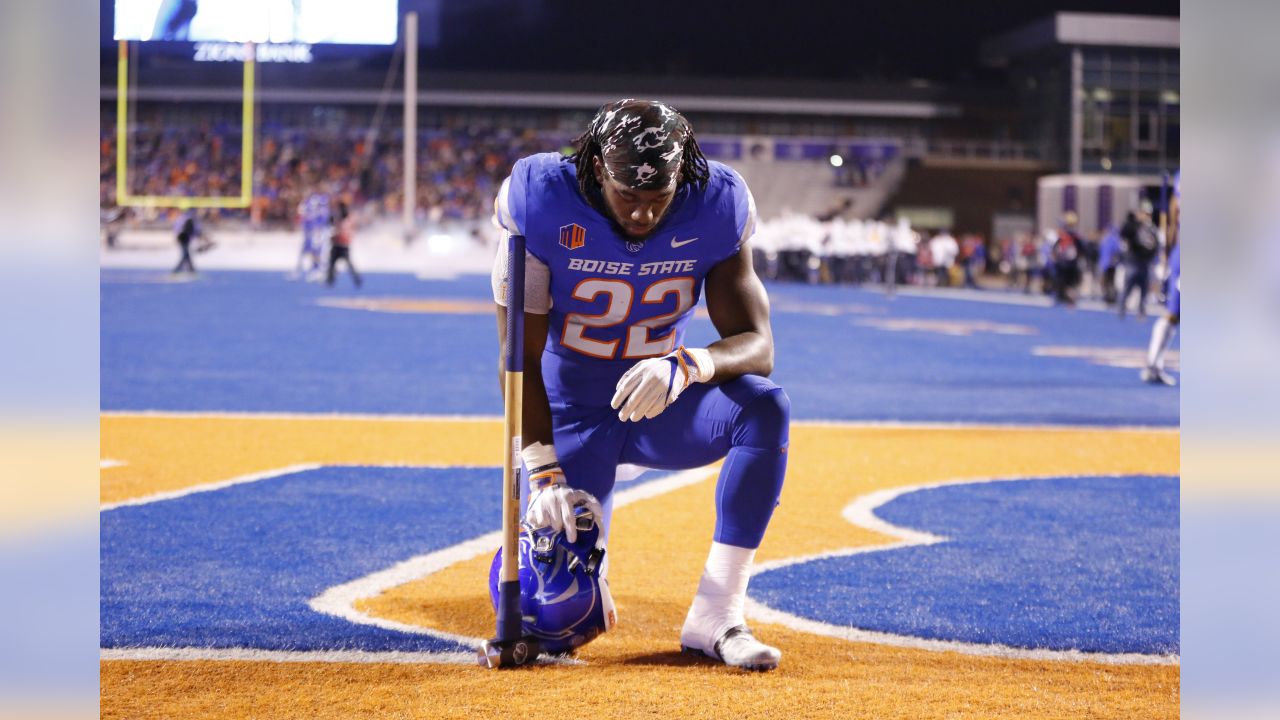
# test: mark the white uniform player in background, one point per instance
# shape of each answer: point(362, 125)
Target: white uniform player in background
point(1165, 327)
point(315, 215)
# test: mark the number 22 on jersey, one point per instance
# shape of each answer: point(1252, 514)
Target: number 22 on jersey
point(639, 341)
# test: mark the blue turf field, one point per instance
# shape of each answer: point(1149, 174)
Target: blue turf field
point(1073, 563)
point(247, 341)
point(172, 578)
point(1086, 564)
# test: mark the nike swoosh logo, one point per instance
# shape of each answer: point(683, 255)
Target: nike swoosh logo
point(681, 243)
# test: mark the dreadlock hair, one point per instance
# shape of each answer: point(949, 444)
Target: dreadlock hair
point(693, 164)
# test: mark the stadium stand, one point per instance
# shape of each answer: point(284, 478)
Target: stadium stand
point(808, 187)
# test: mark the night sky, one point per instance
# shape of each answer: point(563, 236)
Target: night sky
point(848, 40)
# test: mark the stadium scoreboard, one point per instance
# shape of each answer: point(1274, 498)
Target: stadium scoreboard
point(294, 22)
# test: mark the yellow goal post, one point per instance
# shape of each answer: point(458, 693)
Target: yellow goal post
point(125, 198)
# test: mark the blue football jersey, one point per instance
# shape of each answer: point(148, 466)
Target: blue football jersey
point(613, 298)
point(315, 210)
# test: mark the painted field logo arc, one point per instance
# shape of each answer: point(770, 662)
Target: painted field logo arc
point(300, 557)
point(1019, 572)
point(232, 566)
point(266, 588)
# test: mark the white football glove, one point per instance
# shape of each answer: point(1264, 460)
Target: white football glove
point(552, 502)
point(651, 385)
point(553, 507)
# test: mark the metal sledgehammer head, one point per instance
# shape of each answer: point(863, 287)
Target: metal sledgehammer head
point(510, 648)
point(495, 653)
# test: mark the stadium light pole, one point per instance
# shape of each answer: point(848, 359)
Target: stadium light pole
point(1077, 110)
point(410, 203)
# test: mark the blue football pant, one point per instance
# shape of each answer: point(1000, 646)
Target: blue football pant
point(745, 421)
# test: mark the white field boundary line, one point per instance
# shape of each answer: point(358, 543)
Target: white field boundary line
point(395, 657)
point(209, 487)
point(817, 422)
point(246, 415)
point(284, 656)
point(340, 600)
point(861, 512)
point(257, 476)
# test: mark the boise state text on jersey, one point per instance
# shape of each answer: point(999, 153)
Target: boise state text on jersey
point(612, 298)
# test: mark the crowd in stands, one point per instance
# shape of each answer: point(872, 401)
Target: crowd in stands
point(461, 164)
point(202, 160)
point(459, 168)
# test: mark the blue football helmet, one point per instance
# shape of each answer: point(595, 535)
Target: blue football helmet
point(564, 601)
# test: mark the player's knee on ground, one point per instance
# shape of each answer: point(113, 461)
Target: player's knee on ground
point(765, 421)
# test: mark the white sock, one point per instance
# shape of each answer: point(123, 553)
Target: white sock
point(722, 591)
point(1161, 335)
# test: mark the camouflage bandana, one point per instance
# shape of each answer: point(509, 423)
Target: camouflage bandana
point(641, 143)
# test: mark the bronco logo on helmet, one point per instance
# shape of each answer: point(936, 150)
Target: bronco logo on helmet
point(564, 601)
